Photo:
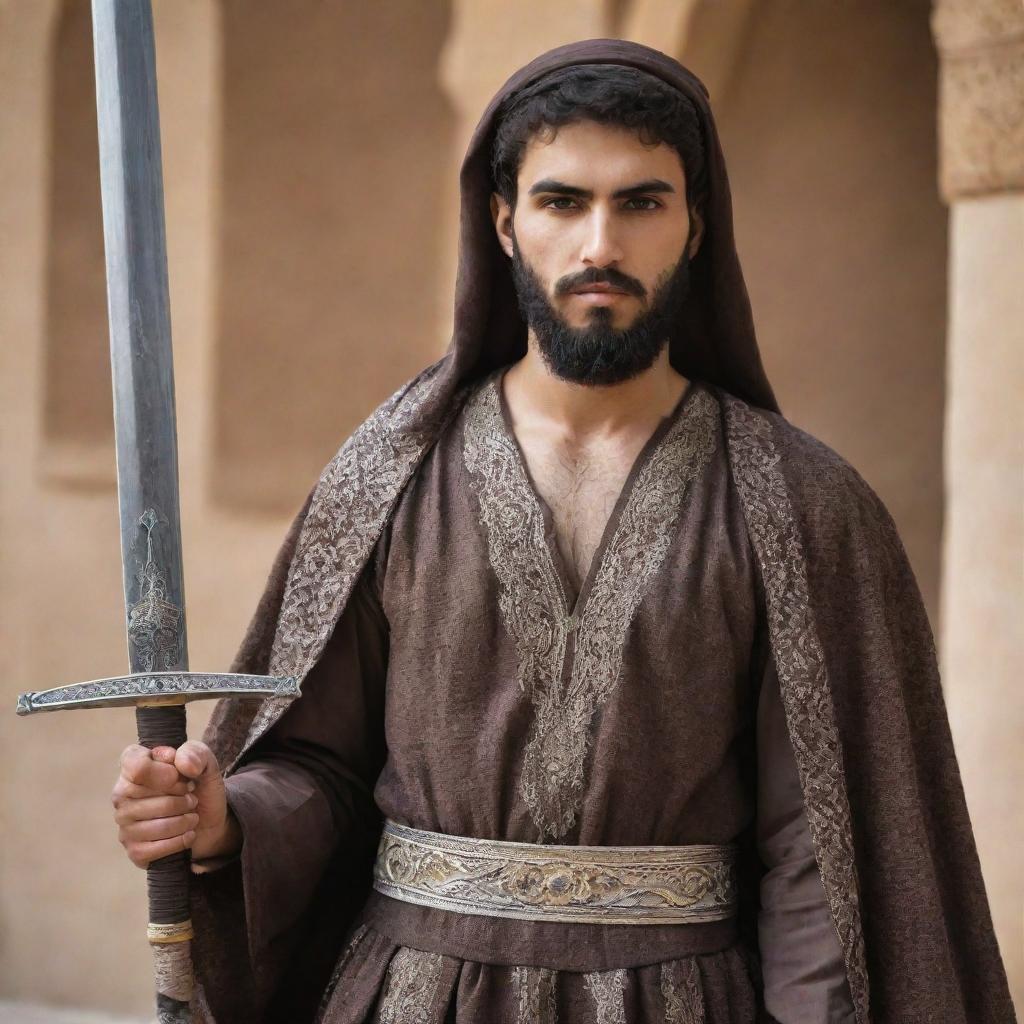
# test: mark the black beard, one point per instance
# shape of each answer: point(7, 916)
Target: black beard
point(600, 354)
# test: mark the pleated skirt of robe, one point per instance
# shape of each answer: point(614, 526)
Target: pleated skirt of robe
point(379, 980)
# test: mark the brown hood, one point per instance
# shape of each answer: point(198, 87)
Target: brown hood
point(714, 339)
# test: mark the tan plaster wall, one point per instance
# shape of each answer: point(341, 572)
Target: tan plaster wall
point(336, 138)
point(828, 126)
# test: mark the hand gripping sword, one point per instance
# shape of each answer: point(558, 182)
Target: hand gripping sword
point(147, 462)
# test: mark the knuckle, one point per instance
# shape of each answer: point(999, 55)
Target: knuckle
point(130, 752)
point(204, 751)
point(133, 757)
point(123, 812)
point(193, 759)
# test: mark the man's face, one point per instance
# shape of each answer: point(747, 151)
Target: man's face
point(598, 242)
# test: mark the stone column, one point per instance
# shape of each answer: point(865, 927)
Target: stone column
point(981, 122)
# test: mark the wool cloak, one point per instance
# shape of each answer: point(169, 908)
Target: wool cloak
point(853, 649)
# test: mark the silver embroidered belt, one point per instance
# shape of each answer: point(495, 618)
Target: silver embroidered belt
point(541, 882)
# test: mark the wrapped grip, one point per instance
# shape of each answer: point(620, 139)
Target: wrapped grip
point(167, 882)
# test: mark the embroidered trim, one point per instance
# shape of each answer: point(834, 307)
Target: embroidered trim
point(607, 989)
point(533, 989)
point(537, 882)
point(353, 944)
point(682, 991)
point(803, 676)
point(530, 595)
point(353, 499)
point(410, 987)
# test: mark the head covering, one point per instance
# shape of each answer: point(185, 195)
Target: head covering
point(714, 339)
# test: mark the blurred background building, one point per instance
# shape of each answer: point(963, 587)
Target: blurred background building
point(311, 150)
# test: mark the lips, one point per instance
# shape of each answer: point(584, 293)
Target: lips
point(600, 288)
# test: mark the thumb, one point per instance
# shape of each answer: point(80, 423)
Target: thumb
point(195, 760)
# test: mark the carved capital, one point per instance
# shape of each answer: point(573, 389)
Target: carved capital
point(981, 96)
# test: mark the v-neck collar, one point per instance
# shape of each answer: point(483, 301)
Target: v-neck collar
point(570, 657)
point(573, 601)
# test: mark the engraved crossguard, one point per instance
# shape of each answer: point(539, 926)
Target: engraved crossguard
point(155, 689)
point(159, 700)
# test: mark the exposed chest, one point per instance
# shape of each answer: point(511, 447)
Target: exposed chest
point(581, 488)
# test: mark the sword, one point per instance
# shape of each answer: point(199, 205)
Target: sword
point(159, 683)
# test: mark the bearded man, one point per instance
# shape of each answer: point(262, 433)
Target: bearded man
point(619, 699)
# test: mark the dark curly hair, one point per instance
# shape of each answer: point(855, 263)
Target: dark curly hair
point(609, 94)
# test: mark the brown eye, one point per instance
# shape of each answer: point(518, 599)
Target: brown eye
point(559, 199)
point(644, 199)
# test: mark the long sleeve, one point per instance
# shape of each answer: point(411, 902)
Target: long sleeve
point(802, 963)
point(307, 784)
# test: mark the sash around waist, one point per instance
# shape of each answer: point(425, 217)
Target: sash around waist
point(541, 882)
point(575, 908)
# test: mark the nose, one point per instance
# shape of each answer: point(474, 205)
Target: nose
point(600, 247)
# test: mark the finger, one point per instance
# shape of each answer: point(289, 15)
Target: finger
point(165, 754)
point(195, 760)
point(126, 791)
point(132, 754)
point(145, 853)
point(142, 770)
point(149, 808)
point(158, 828)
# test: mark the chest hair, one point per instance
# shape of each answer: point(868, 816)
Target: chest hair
point(581, 487)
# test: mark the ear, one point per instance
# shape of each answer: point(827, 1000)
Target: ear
point(696, 232)
point(501, 214)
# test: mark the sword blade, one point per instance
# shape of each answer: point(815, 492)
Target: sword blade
point(138, 306)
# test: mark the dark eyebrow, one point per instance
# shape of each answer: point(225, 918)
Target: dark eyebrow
point(561, 188)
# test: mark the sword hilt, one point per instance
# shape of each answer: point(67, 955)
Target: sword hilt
point(159, 699)
point(167, 883)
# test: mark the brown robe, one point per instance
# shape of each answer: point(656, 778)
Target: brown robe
point(673, 718)
point(849, 644)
